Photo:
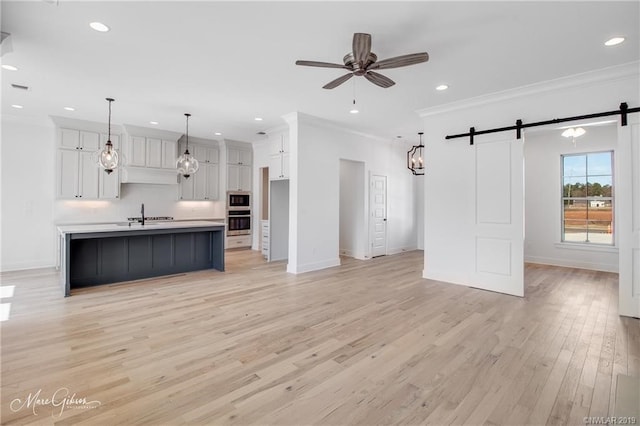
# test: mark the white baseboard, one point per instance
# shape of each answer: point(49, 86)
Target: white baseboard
point(397, 250)
point(572, 263)
point(21, 266)
point(349, 253)
point(308, 267)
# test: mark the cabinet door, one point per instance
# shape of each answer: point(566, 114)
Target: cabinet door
point(285, 142)
point(154, 152)
point(169, 150)
point(275, 166)
point(67, 174)
point(137, 151)
point(68, 138)
point(89, 141)
point(233, 177)
point(213, 182)
point(200, 183)
point(213, 155)
point(245, 178)
point(233, 155)
point(200, 152)
point(245, 157)
point(88, 180)
point(285, 165)
point(109, 183)
point(186, 188)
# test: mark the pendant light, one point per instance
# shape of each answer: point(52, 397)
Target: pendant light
point(108, 157)
point(415, 158)
point(187, 164)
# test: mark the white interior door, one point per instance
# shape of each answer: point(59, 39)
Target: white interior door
point(499, 224)
point(627, 166)
point(378, 212)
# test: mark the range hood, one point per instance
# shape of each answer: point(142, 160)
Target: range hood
point(132, 174)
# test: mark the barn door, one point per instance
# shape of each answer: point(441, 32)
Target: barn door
point(499, 224)
point(627, 164)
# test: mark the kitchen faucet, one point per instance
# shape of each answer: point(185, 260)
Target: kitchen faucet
point(142, 213)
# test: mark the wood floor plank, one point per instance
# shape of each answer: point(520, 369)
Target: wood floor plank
point(368, 342)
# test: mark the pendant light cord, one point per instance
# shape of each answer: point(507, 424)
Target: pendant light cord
point(187, 115)
point(109, 129)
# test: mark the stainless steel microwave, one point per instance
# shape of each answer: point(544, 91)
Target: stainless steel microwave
point(238, 200)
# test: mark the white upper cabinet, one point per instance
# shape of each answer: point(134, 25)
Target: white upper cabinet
point(238, 177)
point(204, 185)
point(169, 154)
point(239, 156)
point(151, 152)
point(279, 157)
point(239, 160)
point(137, 151)
point(154, 152)
point(78, 139)
point(205, 154)
point(78, 175)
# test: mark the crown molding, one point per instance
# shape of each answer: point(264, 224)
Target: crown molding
point(324, 123)
point(132, 130)
point(630, 70)
point(89, 126)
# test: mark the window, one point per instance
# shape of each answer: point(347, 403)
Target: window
point(587, 198)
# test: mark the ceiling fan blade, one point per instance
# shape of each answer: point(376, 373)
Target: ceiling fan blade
point(400, 61)
point(361, 48)
point(379, 79)
point(322, 64)
point(338, 81)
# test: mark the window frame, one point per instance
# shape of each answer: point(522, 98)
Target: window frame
point(587, 199)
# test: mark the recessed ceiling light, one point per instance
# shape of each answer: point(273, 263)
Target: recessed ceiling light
point(153, 122)
point(70, 108)
point(99, 26)
point(258, 118)
point(442, 87)
point(9, 67)
point(613, 41)
point(218, 134)
point(17, 106)
point(354, 111)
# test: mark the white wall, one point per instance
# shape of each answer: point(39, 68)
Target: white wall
point(28, 191)
point(449, 184)
point(542, 199)
point(316, 150)
point(353, 230)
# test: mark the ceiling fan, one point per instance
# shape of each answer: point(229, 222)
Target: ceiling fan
point(361, 62)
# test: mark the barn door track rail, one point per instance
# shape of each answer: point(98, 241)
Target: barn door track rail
point(622, 112)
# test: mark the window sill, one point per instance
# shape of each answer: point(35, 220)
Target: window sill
point(587, 247)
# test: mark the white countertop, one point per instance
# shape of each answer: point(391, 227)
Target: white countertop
point(123, 226)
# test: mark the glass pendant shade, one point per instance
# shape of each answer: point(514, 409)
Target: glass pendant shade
point(108, 157)
point(415, 158)
point(187, 163)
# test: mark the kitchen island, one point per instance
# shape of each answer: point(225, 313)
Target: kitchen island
point(109, 253)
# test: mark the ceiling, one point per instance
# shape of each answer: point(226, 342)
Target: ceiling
point(229, 62)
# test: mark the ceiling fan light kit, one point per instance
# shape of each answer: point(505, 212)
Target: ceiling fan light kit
point(361, 62)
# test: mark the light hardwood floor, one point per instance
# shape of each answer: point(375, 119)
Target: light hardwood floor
point(368, 342)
